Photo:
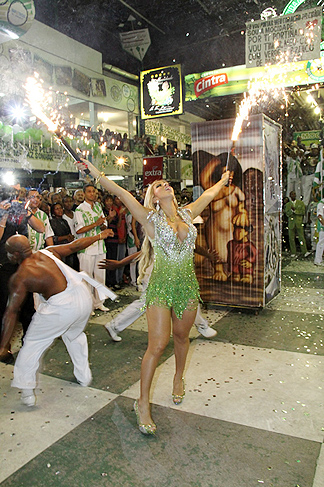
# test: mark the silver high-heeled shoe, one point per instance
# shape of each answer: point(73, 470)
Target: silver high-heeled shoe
point(178, 398)
point(145, 429)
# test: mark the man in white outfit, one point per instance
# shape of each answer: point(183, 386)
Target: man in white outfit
point(320, 227)
point(64, 304)
point(90, 220)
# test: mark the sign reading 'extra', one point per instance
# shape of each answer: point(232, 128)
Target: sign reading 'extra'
point(152, 169)
point(209, 82)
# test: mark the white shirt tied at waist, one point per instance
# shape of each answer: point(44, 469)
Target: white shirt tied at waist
point(103, 291)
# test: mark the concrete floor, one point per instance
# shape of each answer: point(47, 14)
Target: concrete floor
point(252, 414)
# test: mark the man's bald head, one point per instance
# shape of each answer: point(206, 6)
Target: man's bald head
point(18, 248)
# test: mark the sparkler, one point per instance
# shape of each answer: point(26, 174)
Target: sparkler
point(257, 92)
point(39, 101)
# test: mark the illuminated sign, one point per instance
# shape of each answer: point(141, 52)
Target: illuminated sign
point(292, 6)
point(209, 82)
point(161, 92)
point(152, 169)
point(238, 78)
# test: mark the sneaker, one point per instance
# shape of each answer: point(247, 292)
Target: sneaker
point(206, 331)
point(293, 256)
point(307, 254)
point(93, 313)
point(117, 286)
point(28, 397)
point(112, 332)
point(102, 308)
point(85, 384)
point(321, 264)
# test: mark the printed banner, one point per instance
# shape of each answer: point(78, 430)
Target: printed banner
point(233, 230)
point(236, 79)
point(152, 169)
point(308, 137)
point(161, 92)
point(136, 42)
point(284, 39)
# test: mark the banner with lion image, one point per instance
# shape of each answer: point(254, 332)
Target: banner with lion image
point(238, 245)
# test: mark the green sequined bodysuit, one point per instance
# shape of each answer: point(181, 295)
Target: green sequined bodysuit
point(173, 282)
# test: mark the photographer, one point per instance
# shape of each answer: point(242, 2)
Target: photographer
point(14, 218)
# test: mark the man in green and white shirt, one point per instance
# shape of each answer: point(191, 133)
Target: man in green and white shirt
point(89, 222)
point(38, 240)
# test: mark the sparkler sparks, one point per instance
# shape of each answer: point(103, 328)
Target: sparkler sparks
point(39, 101)
point(259, 91)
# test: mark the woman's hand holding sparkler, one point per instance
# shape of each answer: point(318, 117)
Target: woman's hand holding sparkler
point(226, 177)
point(83, 165)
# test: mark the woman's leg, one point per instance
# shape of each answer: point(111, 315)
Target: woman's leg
point(181, 330)
point(159, 328)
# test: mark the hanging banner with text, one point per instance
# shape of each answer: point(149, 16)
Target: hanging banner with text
point(284, 39)
point(161, 92)
point(152, 169)
point(136, 42)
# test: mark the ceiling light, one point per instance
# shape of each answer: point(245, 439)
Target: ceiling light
point(115, 178)
point(17, 112)
point(8, 178)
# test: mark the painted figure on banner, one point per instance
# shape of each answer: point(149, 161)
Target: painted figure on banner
point(228, 204)
point(241, 253)
point(235, 224)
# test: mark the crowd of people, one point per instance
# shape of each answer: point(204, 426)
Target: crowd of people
point(302, 229)
point(116, 141)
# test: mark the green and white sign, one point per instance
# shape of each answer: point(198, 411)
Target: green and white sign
point(16, 17)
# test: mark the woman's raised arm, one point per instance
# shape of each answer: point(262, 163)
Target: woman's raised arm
point(207, 197)
point(137, 210)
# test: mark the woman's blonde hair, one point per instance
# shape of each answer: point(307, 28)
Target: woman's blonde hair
point(147, 249)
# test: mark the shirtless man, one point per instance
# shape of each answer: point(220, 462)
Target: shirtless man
point(63, 309)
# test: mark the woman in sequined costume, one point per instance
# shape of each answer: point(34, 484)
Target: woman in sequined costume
point(173, 292)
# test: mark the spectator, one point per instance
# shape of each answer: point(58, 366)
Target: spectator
point(133, 244)
point(78, 198)
point(148, 147)
point(90, 221)
point(295, 211)
point(121, 230)
point(15, 219)
point(112, 218)
point(61, 229)
point(125, 143)
point(69, 217)
point(38, 240)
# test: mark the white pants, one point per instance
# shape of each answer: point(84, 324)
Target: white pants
point(307, 184)
point(319, 248)
point(313, 226)
point(132, 265)
point(294, 184)
point(135, 310)
point(65, 314)
point(89, 264)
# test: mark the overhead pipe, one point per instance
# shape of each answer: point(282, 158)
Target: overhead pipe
point(121, 72)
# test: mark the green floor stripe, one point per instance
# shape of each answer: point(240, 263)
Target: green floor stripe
point(188, 450)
